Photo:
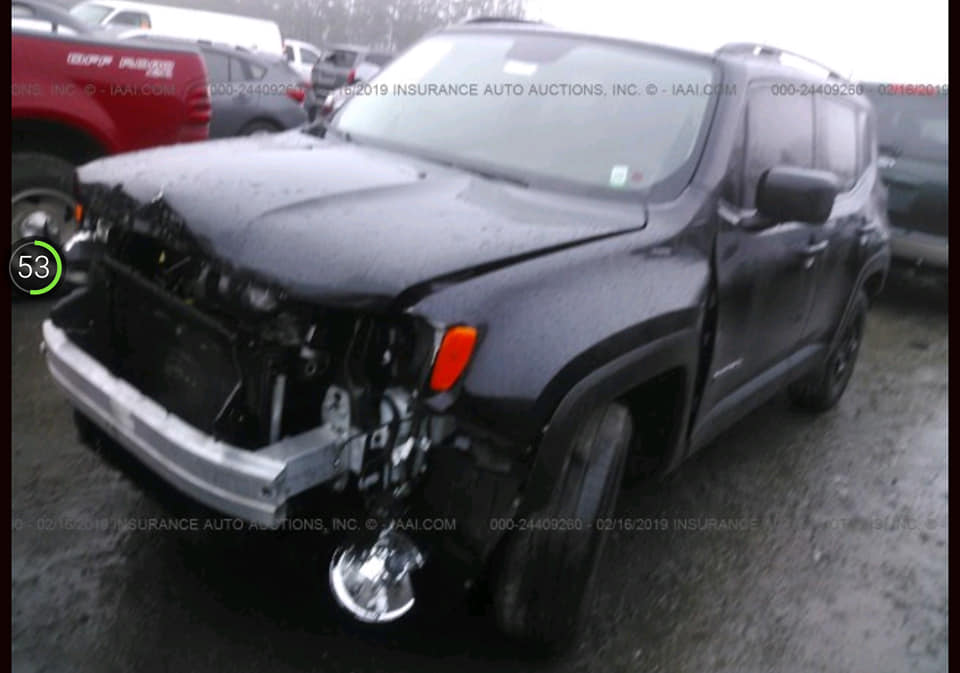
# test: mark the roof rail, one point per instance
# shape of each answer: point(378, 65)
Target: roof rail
point(498, 19)
point(765, 50)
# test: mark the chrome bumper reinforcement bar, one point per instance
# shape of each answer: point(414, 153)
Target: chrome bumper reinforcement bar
point(251, 485)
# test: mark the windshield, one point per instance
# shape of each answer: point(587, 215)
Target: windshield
point(912, 126)
point(536, 105)
point(92, 14)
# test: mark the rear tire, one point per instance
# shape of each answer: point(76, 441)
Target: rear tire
point(546, 573)
point(821, 389)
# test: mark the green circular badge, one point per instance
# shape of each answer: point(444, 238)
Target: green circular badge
point(36, 266)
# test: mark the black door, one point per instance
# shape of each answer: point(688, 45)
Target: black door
point(766, 279)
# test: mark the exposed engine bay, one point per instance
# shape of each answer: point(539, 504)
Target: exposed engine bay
point(240, 360)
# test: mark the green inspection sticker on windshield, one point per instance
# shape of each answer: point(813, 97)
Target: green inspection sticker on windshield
point(619, 175)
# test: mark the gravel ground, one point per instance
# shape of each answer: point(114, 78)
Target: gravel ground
point(840, 562)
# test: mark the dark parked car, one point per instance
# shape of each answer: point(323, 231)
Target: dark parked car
point(912, 134)
point(250, 92)
point(334, 68)
point(465, 318)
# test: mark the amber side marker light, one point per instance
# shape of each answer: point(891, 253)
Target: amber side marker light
point(78, 213)
point(452, 357)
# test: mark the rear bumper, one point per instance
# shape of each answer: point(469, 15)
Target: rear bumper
point(919, 248)
point(251, 485)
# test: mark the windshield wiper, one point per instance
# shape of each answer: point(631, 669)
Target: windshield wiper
point(316, 128)
point(320, 128)
point(483, 172)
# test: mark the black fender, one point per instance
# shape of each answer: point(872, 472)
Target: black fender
point(546, 323)
point(878, 263)
point(585, 325)
point(604, 384)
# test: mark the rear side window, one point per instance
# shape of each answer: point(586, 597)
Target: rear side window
point(218, 67)
point(134, 19)
point(308, 56)
point(837, 132)
point(241, 70)
point(779, 132)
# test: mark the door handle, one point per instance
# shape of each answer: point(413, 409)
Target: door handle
point(816, 248)
point(811, 251)
point(867, 230)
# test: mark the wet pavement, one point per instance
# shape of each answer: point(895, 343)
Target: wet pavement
point(793, 543)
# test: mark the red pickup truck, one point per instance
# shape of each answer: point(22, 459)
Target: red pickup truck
point(79, 97)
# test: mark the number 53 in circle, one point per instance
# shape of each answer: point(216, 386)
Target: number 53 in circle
point(36, 266)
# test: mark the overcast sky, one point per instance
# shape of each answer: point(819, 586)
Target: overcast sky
point(870, 41)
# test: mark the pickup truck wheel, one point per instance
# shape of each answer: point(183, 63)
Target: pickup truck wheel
point(824, 386)
point(546, 571)
point(42, 197)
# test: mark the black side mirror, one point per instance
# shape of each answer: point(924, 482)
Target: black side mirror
point(788, 194)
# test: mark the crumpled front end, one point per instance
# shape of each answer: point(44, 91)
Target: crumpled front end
point(231, 390)
point(245, 397)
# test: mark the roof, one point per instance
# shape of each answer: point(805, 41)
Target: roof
point(345, 47)
point(499, 19)
point(220, 47)
point(136, 6)
point(774, 56)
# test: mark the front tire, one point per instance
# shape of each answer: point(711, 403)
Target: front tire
point(546, 571)
point(42, 197)
point(822, 388)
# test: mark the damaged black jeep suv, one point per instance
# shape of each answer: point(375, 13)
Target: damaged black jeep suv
point(527, 263)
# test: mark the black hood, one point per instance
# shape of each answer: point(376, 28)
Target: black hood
point(343, 223)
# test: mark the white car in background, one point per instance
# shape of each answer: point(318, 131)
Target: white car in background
point(44, 18)
point(130, 18)
point(301, 55)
